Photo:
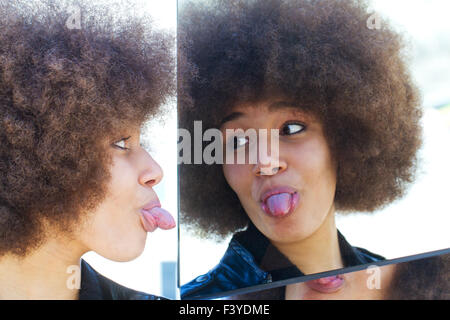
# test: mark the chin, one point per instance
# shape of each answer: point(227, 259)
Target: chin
point(314, 295)
point(124, 252)
point(288, 230)
point(129, 256)
point(125, 256)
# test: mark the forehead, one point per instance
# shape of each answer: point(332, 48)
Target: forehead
point(128, 129)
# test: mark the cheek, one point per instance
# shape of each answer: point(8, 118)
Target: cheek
point(122, 192)
point(237, 177)
point(123, 179)
point(318, 170)
point(115, 231)
point(328, 172)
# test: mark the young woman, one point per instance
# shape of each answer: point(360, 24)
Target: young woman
point(339, 94)
point(74, 175)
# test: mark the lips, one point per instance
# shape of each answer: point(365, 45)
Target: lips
point(279, 202)
point(327, 285)
point(153, 217)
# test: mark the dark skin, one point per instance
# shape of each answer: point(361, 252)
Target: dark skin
point(320, 57)
point(305, 165)
point(115, 229)
point(355, 287)
point(74, 175)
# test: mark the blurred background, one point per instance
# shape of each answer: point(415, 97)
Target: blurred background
point(419, 222)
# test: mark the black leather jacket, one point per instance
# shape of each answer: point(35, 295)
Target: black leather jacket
point(252, 260)
point(94, 286)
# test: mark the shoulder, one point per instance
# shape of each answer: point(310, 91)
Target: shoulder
point(94, 286)
point(237, 269)
point(353, 256)
point(366, 256)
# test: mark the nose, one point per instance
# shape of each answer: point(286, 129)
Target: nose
point(270, 169)
point(152, 173)
point(269, 163)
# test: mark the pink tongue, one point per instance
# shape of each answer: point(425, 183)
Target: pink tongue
point(158, 217)
point(326, 280)
point(279, 204)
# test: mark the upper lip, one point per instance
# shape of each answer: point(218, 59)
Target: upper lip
point(267, 192)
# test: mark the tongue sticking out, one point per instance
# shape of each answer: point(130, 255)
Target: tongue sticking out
point(279, 204)
point(157, 218)
point(327, 285)
point(327, 280)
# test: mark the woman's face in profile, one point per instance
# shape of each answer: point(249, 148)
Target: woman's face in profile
point(116, 229)
point(291, 201)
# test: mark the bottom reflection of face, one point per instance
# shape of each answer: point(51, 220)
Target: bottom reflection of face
point(306, 168)
point(114, 229)
point(367, 284)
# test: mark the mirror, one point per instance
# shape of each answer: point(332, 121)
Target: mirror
point(425, 278)
point(311, 138)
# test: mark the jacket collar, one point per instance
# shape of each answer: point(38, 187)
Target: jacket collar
point(270, 259)
point(252, 260)
point(90, 288)
point(94, 286)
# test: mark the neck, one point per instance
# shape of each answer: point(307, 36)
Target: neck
point(43, 274)
point(317, 253)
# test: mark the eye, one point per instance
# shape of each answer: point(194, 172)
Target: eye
point(292, 128)
point(121, 144)
point(238, 141)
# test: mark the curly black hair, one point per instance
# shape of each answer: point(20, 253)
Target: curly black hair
point(422, 279)
point(323, 58)
point(64, 92)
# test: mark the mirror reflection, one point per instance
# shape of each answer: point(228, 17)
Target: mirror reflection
point(346, 181)
point(422, 279)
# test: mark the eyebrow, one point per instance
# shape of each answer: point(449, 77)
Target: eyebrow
point(123, 139)
point(280, 104)
point(272, 107)
point(289, 106)
point(231, 117)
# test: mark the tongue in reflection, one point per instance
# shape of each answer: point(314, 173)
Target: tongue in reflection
point(157, 218)
point(279, 204)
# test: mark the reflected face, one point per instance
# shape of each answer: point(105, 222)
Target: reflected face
point(362, 285)
point(290, 200)
point(116, 229)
